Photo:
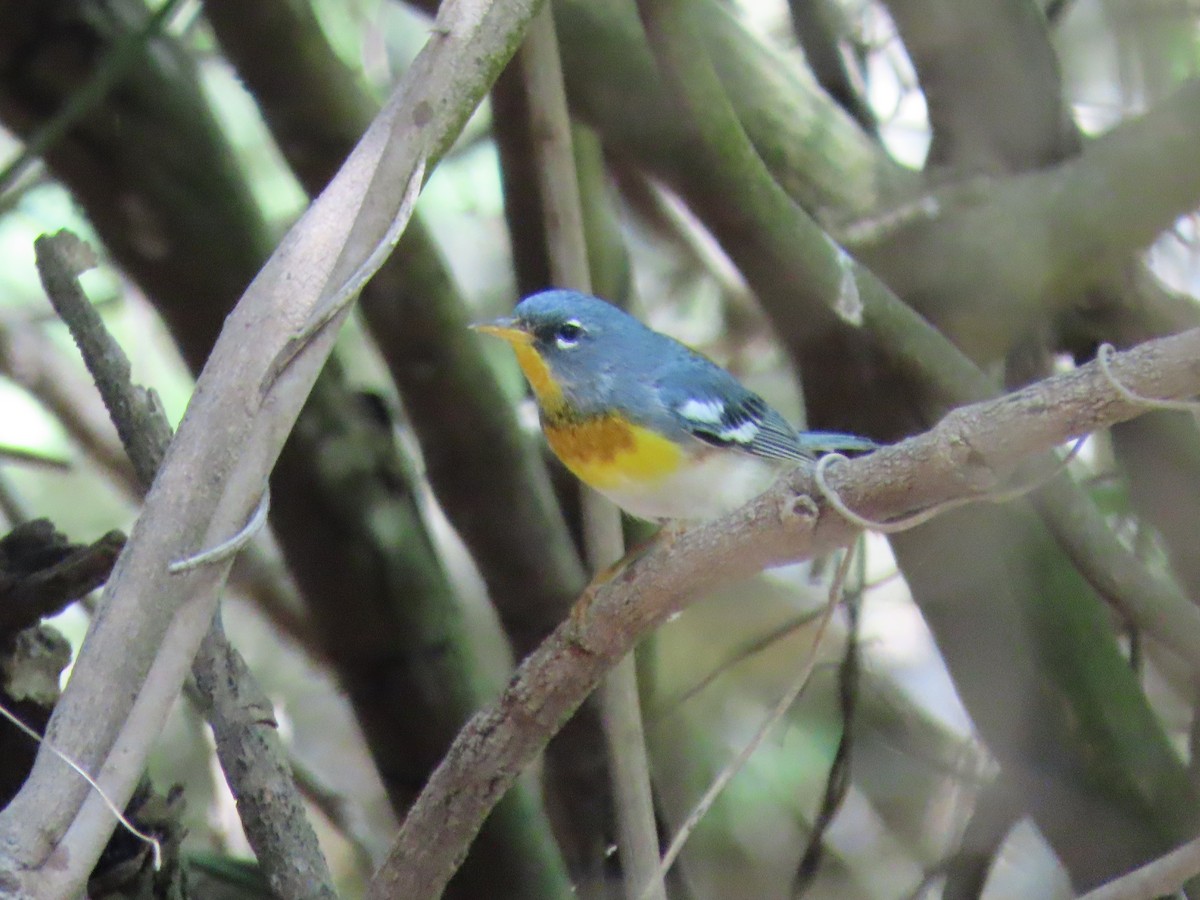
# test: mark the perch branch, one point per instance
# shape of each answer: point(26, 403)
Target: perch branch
point(967, 453)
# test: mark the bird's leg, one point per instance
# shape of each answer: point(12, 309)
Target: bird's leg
point(667, 534)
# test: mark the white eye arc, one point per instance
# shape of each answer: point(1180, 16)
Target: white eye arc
point(569, 334)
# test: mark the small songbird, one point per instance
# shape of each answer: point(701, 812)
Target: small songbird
point(660, 430)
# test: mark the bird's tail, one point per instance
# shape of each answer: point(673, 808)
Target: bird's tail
point(832, 441)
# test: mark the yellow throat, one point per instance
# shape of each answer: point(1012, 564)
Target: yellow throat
point(537, 373)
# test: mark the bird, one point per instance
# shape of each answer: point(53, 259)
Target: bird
point(656, 427)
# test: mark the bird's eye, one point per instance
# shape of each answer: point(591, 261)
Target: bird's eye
point(568, 334)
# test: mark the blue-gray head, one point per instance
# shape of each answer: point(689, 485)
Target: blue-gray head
point(566, 323)
point(570, 343)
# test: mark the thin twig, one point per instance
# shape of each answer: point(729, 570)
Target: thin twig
point(752, 647)
point(34, 458)
point(248, 743)
point(568, 254)
point(33, 177)
point(795, 689)
point(838, 781)
point(41, 367)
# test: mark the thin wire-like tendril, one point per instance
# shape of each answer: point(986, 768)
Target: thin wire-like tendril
point(1104, 355)
point(155, 846)
point(923, 516)
point(231, 546)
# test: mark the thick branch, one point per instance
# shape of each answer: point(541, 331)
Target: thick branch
point(965, 454)
point(488, 476)
point(1009, 251)
point(876, 378)
point(242, 717)
point(991, 83)
point(151, 623)
point(816, 151)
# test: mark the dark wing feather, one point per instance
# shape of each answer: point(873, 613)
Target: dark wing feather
point(750, 424)
point(714, 407)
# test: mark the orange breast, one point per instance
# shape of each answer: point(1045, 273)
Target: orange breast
point(606, 452)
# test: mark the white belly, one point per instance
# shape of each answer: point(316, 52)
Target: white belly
point(721, 482)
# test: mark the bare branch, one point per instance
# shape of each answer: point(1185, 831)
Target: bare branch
point(1164, 876)
point(837, 782)
point(136, 412)
point(799, 684)
point(151, 623)
point(967, 453)
point(567, 249)
point(242, 717)
point(994, 105)
point(258, 771)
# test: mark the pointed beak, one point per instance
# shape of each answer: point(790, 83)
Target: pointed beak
point(507, 329)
